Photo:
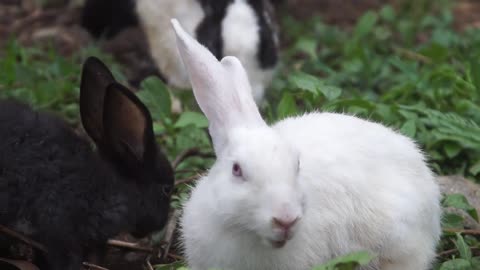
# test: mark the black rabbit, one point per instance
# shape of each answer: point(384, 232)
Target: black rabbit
point(60, 192)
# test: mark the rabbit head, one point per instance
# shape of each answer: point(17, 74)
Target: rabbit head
point(121, 127)
point(254, 180)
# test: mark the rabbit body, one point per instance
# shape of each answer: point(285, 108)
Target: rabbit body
point(305, 190)
point(59, 192)
point(241, 28)
point(70, 198)
point(366, 188)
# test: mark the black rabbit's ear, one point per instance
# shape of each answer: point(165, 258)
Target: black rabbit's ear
point(127, 125)
point(95, 79)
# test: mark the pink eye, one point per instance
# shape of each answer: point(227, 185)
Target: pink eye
point(236, 170)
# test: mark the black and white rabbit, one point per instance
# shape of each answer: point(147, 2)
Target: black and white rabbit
point(295, 194)
point(242, 28)
point(70, 198)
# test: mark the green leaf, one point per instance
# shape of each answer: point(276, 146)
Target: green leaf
point(456, 264)
point(452, 221)
point(314, 85)
point(387, 13)
point(463, 248)
point(191, 118)
point(287, 106)
point(475, 72)
point(347, 262)
point(459, 201)
point(179, 265)
point(156, 97)
point(452, 149)
point(308, 46)
point(435, 52)
point(475, 168)
point(409, 128)
point(365, 24)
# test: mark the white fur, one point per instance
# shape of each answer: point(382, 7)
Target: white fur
point(155, 16)
point(359, 185)
point(241, 39)
point(239, 33)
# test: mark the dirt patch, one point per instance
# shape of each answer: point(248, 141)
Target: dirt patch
point(466, 14)
point(340, 12)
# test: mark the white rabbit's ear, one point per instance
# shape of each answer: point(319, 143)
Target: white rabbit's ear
point(222, 89)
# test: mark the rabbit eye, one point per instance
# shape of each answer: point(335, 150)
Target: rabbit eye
point(237, 170)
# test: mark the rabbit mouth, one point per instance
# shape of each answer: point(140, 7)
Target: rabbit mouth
point(278, 243)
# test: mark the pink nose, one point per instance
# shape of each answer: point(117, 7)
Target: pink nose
point(284, 224)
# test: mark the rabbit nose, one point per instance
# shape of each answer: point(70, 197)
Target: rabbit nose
point(284, 223)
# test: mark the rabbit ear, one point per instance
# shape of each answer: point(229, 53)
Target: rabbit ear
point(127, 126)
point(95, 79)
point(221, 89)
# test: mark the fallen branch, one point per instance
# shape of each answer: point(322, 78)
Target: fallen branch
point(23, 238)
point(471, 232)
point(452, 251)
point(35, 16)
point(413, 55)
point(148, 264)
point(93, 266)
point(129, 245)
point(169, 231)
point(175, 256)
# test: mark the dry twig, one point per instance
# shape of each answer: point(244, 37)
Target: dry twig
point(148, 264)
point(93, 266)
point(170, 229)
point(129, 245)
point(23, 238)
point(471, 232)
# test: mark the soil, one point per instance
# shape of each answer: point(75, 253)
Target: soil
point(58, 23)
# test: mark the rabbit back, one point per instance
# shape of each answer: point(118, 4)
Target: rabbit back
point(368, 187)
point(56, 185)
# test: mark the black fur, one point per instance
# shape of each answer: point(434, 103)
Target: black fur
point(209, 31)
point(268, 50)
point(71, 198)
point(108, 17)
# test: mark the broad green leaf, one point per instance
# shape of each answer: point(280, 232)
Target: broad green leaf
point(347, 262)
point(287, 106)
point(387, 13)
point(475, 72)
point(452, 149)
point(365, 24)
point(314, 85)
point(456, 264)
point(452, 221)
point(459, 201)
point(463, 248)
point(475, 168)
point(191, 118)
point(409, 128)
point(156, 97)
point(308, 46)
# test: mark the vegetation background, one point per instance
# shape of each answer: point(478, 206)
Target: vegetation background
point(413, 65)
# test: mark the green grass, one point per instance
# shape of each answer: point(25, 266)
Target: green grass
point(408, 69)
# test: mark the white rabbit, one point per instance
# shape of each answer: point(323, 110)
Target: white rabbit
point(304, 190)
